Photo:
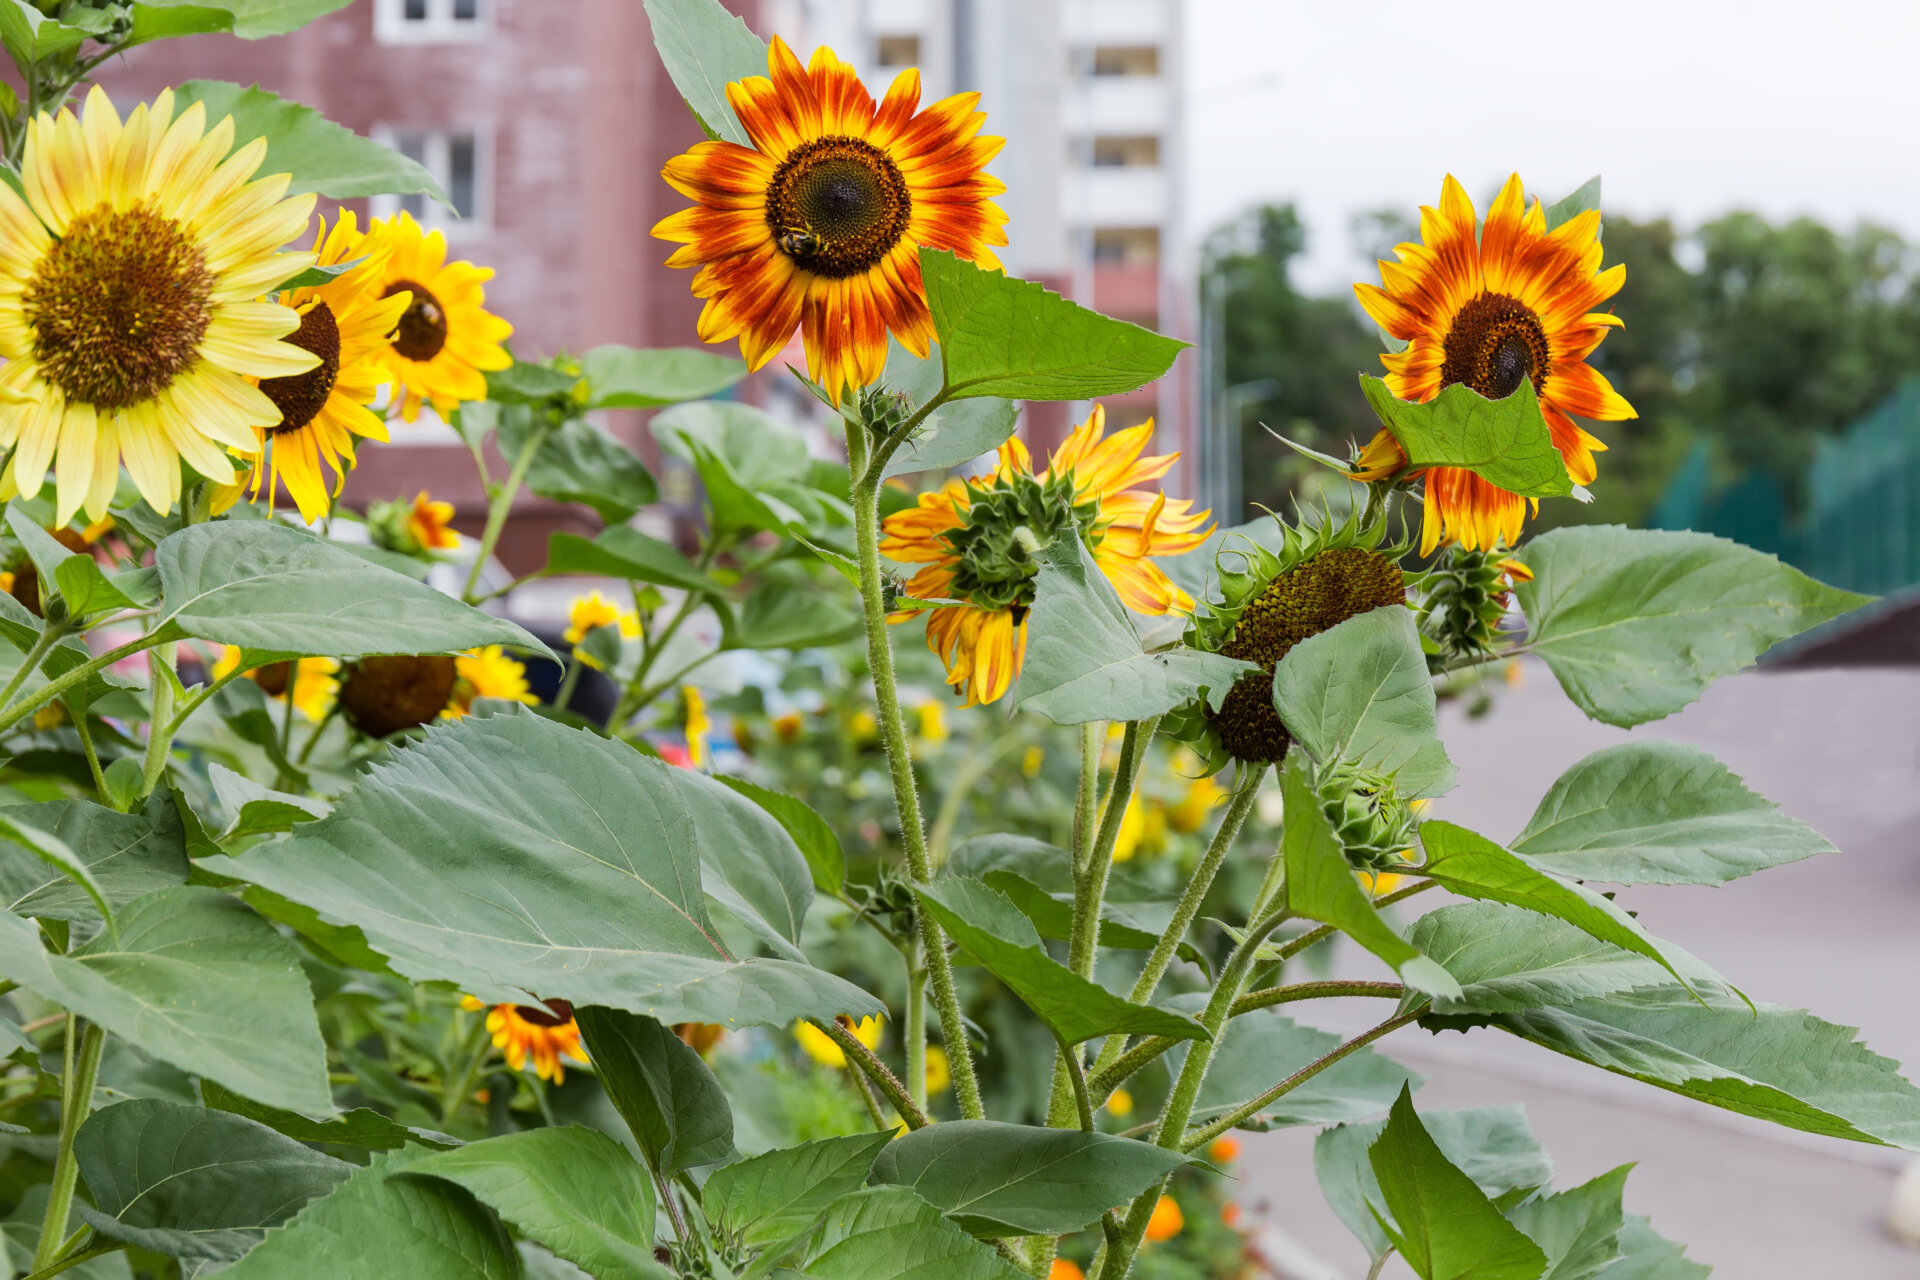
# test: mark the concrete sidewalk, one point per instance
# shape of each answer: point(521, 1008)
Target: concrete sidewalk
point(1839, 750)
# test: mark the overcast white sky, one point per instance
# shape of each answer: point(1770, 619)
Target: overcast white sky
point(1687, 107)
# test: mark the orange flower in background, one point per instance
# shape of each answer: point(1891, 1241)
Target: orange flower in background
point(1062, 1269)
point(1224, 1149)
point(974, 536)
point(819, 225)
point(1166, 1221)
point(546, 1033)
point(429, 523)
point(1490, 306)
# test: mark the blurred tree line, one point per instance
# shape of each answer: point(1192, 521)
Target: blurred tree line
point(1752, 336)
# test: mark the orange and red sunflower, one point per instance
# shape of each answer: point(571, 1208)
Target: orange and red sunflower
point(979, 540)
point(820, 223)
point(1489, 306)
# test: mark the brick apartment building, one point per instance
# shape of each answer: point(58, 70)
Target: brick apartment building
point(547, 122)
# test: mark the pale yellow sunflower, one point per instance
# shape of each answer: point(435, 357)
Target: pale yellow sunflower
point(130, 320)
point(348, 323)
point(545, 1033)
point(447, 339)
point(962, 534)
point(315, 681)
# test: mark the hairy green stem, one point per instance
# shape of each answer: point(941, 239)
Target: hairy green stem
point(1293, 948)
point(916, 1028)
point(1090, 890)
point(502, 503)
point(1066, 1092)
point(876, 1070)
point(1214, 1128)
point(865, 1090)
point(866, 519)
point(1077, 1077)
point(93, 756)
point(159, 729)
point(76, 1099)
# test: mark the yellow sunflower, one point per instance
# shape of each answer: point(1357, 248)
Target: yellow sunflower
point(447, 339)
point(129, 316)
point(968, 534)
point(315, 680)
point(346, 322)
point(1489, 306)
point(487, 673)
point(821, 1047)
point(546, 1032)
point(699, 725)
point(820, 223)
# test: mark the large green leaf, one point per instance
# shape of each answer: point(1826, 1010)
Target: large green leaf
point(991, 927)
point(1636, 623)
point(575, 1190)
point(1012, 338)
point(191, 1182)
point(76, 575)
point(952, 434)
point(264, 586)
point(1084, 660)
point(772, 1197)
point(1259, 1050)
point(1491, 1145)
point(1506, 959)
point(999, 1179)
point(753, 467)
point(1320, 885)
point(127, 855)
point(705, 48)
point(1443, 1223)
point(1475, 867)
point(377, 1226)
point(29, 35)
point(624, 552)
point(668, 1096)
point(579, 865)
point(1782, 1065)
point(1660, 813)
point(361, 1127)
point(620, 377)
point(1579, 1229)
point(749, 864)
point(1360, 692)
point(581, 462)
point(889, 1233)
point(1505, 442)
point(1647, 1255)
point(196, 979)
point(322, 156)
point(248, 19)
point(792, 614)
point(826, 860)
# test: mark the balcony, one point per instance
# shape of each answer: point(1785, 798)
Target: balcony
point(1118, 21)
point(1131, 197)
point(1118, 104)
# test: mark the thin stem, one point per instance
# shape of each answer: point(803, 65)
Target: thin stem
point(501, 504)
point(1379, 1264)
point(76, 1099)
point(57, 686)
point(1307, 939)
point(865, 1090)
point(1080, 853)
point(1077, 1077)
point(906, 796)
point(568, 683)
point(313, 739)
point(42, 645)
point(877, 1072)
point(1090, 890)
point(160, 728)
point(1246, 790)
point(680, 1232)
point(66, 1264)
point(916, 1028)
point(1146, 1051)
point(93, 756)
point(461, 1086)
point(1214, 1128)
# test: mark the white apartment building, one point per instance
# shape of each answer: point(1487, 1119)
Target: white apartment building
point(1088, 95)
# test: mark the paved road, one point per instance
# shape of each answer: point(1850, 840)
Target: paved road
point(1839, 935)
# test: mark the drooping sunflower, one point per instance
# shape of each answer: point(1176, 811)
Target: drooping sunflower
point(1490, 306)
point(129, 315)
point(980, 540)
point(447, 339)
point(347, 323)
point(820, 223)
point(547, 1033)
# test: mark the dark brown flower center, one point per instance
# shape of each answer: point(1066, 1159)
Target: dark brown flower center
point(554, 1012)
point(1495, 343)
point(118, 306)
point(837, 206)
point(423, 329)
point(301, 396)
point(387, 694)
point(1314, 596)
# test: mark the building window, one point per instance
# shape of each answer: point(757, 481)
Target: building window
point(428, 21)
point(1126, 246)
point(1139, 152)
point(897, 51)
point(458, 162)
point(1126, 60)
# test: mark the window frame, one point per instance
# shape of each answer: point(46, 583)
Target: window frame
point(392, 26)
point(436, 153)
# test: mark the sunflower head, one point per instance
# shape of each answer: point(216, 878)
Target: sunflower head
point(1461, 599)
point(1323, 572)
point(819, 224)
point(387, 694)
point(1493, 306)
point(445, 339)
point(545, 1033)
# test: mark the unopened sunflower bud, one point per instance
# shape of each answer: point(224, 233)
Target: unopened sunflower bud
point(1375, 826)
